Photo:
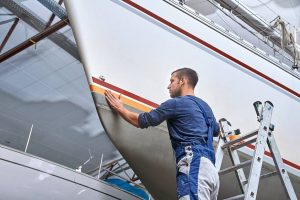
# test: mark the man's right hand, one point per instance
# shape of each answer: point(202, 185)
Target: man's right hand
point(117, 105)
point(114, 102)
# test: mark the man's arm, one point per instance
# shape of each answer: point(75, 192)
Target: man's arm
point(117, 105)
point(216, 127)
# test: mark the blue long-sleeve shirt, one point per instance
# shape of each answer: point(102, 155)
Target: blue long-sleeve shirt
point(185, 120)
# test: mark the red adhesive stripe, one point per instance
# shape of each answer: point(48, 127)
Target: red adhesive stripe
point(131, 95)
point(251, 146)
point(124, 92)
point(191, 36)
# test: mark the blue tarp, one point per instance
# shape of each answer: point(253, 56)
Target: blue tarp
point(127, 187)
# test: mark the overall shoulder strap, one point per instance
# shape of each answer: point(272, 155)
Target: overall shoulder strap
point(208, 123)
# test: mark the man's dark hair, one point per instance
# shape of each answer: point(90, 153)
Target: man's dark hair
point(188, 73)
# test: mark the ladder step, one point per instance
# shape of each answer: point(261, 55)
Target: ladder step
point(233, 168)
point(228, 144)
point(267, 175)
point(270, 174)
point(241, 196)
point(242, 144)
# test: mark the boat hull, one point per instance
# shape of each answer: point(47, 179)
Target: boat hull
point(148, 152)
point(150, 155)
point(132, 47)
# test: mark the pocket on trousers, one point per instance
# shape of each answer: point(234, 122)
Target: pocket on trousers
point(183, 165)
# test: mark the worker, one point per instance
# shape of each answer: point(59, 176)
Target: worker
point(191, 126)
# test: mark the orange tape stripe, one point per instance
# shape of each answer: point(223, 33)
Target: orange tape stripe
point(125, 99)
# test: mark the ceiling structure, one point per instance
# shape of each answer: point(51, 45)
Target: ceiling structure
point(45, 87)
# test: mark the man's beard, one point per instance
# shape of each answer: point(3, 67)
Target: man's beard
point(175, 93)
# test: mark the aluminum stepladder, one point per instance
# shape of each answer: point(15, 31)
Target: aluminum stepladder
point(262, 137)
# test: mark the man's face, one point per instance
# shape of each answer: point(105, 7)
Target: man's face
point(174, 86)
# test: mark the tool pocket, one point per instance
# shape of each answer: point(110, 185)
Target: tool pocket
point(183, 165)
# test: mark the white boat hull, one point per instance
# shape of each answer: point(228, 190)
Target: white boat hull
point(150, 155)
point(135, 45)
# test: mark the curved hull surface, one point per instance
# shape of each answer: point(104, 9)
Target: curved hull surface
point(135, 45)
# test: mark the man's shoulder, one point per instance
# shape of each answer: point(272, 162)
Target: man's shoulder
point(192, 99)
point(169, 103)
point(185, 100)
point(174, 102)
point(200, 102)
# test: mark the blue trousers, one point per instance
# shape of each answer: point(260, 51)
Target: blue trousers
point(197, 177)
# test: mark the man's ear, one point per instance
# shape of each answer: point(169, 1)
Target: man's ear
point(181, 81)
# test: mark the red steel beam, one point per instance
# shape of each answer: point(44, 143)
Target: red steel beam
point(33, 40)
point(12, 28)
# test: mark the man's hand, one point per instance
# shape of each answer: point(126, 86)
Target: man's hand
point(115, 103)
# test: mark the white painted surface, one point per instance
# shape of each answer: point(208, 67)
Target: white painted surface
point(137, 53)
point(29, 178)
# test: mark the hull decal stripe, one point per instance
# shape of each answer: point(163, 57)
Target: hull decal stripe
point(267, 153)
point(144, 108)
point(124, 92)
point(125, 100)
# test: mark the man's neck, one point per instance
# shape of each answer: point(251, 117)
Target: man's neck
point(188, 92)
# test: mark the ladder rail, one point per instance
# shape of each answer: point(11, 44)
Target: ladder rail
point(219, 153)
point(234, 157)
point(263, 138)
point(283, 174)
point(259, 151)
point(225, 128)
